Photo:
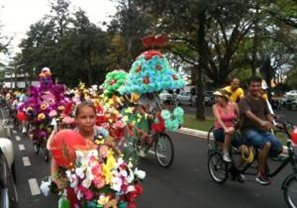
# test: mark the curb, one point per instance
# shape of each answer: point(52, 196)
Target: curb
point(193, 132)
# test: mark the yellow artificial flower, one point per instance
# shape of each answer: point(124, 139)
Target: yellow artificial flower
point(103, 200)
point(41, 116)
point(43, 106)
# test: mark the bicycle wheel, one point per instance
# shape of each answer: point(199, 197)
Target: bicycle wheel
point(164, 150)
point(211, 143)
point(217, 168)
point(290, 191)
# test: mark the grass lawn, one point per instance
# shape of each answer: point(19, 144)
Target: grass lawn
point(192, 123)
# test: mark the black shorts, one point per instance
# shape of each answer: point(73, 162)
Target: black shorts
point(219, 136)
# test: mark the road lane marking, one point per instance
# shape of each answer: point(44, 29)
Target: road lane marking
point(21, 147)
point(26, 161)
point(18, 138)
point(14, 131)
point(34, 188)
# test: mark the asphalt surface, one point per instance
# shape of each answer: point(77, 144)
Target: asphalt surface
point(185, 184)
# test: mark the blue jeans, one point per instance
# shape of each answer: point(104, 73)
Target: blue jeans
point(258, 138)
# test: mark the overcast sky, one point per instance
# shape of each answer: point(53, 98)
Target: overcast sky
point(16, 16)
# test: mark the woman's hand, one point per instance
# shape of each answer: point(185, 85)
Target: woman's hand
point(229, 130)
point(61, 182)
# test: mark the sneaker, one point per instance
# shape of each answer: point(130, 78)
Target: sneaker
point(24, 130)
point(263, 180)
point(241, 178)
point(226, 157)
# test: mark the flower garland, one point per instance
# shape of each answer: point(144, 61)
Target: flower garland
point(173, 121)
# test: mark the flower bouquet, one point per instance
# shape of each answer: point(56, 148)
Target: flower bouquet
point(102, 179)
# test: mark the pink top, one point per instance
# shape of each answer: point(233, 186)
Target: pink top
point(227, 116)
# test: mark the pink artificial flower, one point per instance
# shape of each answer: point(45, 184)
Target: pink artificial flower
point(119, 125)
point(88, 194)
point(97, 170)
point(68, 120)
point(52, 113)
point(106, 125)
point(99, 181)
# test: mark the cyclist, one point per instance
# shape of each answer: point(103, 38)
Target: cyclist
point(225, 113)
point(236, 92)
point(256, 123)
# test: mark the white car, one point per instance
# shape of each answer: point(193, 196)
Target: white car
point(291, 93)
point(9, 197)
point(166, 97)
point(184, 98)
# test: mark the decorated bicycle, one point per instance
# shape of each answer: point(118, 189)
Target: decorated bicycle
point(150, 74)
point(46, 101)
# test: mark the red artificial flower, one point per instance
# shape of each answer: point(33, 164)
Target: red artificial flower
point(160, 126)
point(149, 54)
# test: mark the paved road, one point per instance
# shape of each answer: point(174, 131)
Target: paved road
point(185, 184)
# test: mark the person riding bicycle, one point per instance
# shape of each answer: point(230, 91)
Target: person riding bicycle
point(236, 92)
point(225, 113)
point(147, 105)
point(255, 124)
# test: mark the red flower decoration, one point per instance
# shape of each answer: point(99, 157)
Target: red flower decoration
point(159, 67)
point(138, 69)
point(146, 80)
point(159, 127)
point(157, 40)
point(174, 77)
point(111, 82)
point(149, 54)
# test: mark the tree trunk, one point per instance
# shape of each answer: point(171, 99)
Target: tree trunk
point(200, 69)
point(255, 45)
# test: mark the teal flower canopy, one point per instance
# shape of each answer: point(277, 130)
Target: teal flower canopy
point(151, 72)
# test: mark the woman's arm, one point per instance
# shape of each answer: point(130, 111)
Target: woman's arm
point(56, 178)
point(50, 138)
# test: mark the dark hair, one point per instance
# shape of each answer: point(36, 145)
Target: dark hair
point(255, 79)
point(234, 78)
point(81, 105)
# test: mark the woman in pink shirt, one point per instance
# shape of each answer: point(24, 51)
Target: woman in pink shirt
point(225, 113)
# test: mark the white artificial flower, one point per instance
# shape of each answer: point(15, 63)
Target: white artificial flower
point(130, 188)
point(139, 173)
point(120, 161)
point(116, 184)
point(80, 172)
point(123, 173)
point(79, 195)
point(86, 182)
point(130, 177)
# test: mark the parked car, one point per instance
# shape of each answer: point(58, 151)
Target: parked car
point(288, 102)
point(185, 98)
point(291, 93)
point(9, 197)
point(166, 97)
